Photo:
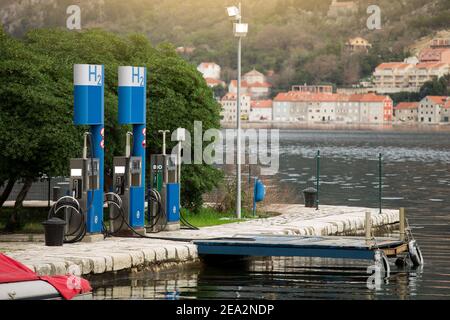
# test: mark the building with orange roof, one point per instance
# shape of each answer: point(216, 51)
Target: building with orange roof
point(214, 82)
point(342, 8)
point(358, 44)
point(253, 83)
point(261, 110)
point(406, 112)
point(295, 106)
point(209, 70)
point(425, 71)
point(392, 75)
point(434, 110)
point(229, 107)
point(436, 54)
point(412, 73)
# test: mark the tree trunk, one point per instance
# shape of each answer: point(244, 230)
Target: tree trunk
point(7, 191)
point(14, 220)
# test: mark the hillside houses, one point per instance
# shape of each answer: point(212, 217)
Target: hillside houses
point(431, 110)
point(358, 44)
point(253, 83)
point(434, 110)
point(211, 73)
point(229, 107)
point(406, 112)
point(261, 110)
point(308, 107)
point(342, 8)
point(412, 73)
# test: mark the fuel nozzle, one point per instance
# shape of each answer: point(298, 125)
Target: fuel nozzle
point(85, 143)
point(128, 144)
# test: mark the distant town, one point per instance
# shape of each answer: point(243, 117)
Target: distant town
point(368, 102)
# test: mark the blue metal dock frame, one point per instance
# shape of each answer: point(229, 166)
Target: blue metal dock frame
point(300, 246)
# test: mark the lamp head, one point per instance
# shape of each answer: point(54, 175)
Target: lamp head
point(240, 29)
point(233, 13)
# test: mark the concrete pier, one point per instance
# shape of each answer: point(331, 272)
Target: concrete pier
point(116, 254)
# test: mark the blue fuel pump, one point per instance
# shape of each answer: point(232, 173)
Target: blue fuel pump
point(82, 209)
point(89, 110)
point(129, 171)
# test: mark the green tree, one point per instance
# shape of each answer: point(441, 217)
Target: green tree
point(436, 87)
point(36, 92)
point(36, 135)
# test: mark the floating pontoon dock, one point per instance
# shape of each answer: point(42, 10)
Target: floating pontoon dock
point(301, 246)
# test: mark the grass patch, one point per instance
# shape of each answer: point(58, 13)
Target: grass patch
point(31, 219)
point(210, 217)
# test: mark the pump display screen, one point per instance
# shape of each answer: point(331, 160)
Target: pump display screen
point(119, 170)
point(75, 172)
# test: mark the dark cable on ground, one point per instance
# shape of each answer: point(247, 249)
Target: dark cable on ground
point(71, 203)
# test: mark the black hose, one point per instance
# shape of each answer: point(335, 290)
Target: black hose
point(160, 212)
point(80, 230)
point(186, 223)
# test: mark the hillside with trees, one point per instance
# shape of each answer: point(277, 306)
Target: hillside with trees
point(294, 38)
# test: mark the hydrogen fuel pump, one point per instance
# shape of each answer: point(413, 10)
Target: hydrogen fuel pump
point(84, 181)
point(164, 213)
point(127, 200)
point(127, 177)
point(83, 207)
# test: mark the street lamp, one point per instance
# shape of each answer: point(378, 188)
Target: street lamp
point(240, 30)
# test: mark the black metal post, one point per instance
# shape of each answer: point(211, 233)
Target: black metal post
point(380, 181)
point(317, 178)
point(49, 191)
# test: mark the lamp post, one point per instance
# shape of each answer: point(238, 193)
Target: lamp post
point(240, 30)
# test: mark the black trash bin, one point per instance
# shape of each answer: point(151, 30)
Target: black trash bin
point(56, 193)
point(310, 195)
point(54, 232)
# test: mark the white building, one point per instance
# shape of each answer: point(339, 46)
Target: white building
point(406, 112)
point(209, 70)
point(229, 107)
point(392, 75)
point(426, 71)
point(253, 83)
point(412, 73)
point(261, 110)
point(434, 110)
point(329, 108)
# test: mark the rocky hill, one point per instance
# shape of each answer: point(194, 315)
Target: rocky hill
point(297, 39)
